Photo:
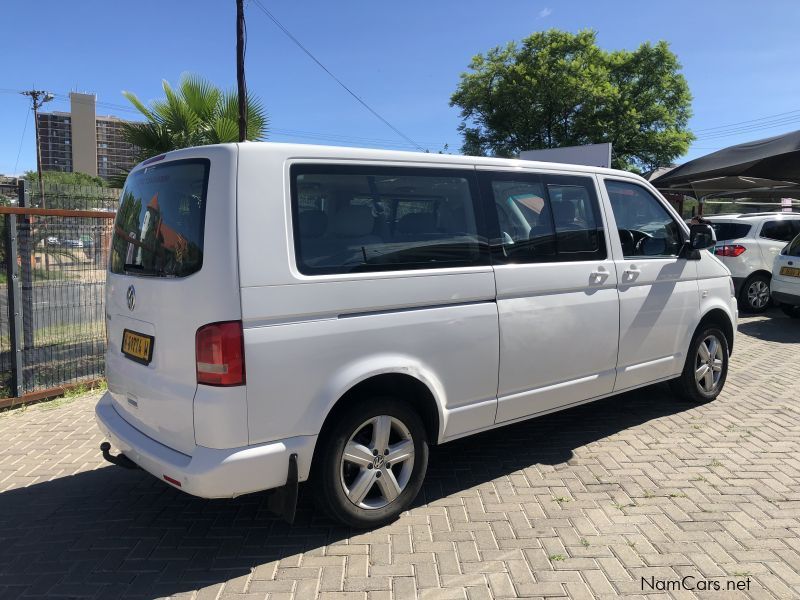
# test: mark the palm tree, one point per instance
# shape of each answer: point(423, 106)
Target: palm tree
point(197, 113)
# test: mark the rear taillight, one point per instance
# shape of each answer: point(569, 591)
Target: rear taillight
point(729, 250)
point(219, 351)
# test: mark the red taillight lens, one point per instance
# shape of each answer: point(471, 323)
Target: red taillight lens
point(219, 351)
point(729, 250)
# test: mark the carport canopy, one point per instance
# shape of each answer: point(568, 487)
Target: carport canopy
point(769, 167)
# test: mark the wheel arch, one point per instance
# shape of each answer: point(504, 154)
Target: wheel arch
point(763, 272)
point(720, 318)
point(404, 386)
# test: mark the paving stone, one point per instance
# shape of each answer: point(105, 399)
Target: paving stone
point(578, 504)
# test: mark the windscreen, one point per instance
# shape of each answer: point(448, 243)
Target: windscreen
point(160, 223)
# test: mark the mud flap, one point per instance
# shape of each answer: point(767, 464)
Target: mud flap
point(283, 500)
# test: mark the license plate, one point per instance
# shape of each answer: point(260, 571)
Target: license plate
point(790, 271)
point(138, 346)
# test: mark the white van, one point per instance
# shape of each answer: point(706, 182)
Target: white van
point(278, 313)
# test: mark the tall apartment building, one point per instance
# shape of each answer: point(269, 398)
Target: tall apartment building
point(81, 141)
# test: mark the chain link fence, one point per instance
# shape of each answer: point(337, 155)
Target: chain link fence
point(55, 252)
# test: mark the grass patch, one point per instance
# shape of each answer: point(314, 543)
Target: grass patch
point(714, 463)
point(557, 557)
point(560, 499)
point(585, 542)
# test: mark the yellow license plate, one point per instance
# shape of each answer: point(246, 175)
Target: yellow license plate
point(138, 346)
point(790, 271)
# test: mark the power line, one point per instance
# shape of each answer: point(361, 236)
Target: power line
point(751, 129)
point(22, 140)
point(336, 79)
point(768, 117)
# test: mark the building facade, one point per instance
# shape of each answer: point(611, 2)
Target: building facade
point(84, 142)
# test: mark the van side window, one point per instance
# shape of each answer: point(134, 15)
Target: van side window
point(645, 227)
point(545, 217)
point(354, 219)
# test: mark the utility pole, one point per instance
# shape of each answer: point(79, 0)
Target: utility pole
point(38, 97)
point(242, 86)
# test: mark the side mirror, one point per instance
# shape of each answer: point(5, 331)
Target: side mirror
point(701, 237)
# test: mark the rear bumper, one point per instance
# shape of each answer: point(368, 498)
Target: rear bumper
point(785, 297)
point(207, 473)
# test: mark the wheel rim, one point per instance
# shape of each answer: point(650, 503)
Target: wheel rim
point(708, 364)
point(377, 462)
point(758, 294)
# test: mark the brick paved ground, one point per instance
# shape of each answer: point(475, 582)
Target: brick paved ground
point(580, 504)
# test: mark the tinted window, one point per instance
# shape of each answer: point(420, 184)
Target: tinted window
point(781, 231)
point(544, 217)
point(350, 219)
point(794, 248)
point(730, 231)
point(645, 227)
point(160, 223)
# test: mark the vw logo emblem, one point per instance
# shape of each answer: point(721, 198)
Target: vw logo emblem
point(377, 462)
point(131, 295)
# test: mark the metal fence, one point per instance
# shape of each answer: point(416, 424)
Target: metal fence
point(54, 255)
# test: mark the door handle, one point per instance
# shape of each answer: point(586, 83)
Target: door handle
point(631, 272)
point(599, 275)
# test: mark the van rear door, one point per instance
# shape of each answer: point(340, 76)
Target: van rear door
point(173, 269)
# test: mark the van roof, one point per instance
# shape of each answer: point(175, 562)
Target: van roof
point(312, 151)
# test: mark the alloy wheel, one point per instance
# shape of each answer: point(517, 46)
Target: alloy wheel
point(758, 294)
point(377, 462)
point(708, 364)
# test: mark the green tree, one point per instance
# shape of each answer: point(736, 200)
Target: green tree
point(561, 89)
point(63, 178)
point(197, 113)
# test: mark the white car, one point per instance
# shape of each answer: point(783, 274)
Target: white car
point(278, 313)
point(748, 245)
point(786, 279)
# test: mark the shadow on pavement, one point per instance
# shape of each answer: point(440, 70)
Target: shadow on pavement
point(111, 532)
point(776, 327)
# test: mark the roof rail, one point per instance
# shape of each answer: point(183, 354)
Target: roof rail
point(763, 214)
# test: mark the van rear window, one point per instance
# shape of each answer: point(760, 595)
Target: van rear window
point(160, 223)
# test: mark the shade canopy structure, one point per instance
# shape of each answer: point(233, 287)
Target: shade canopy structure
point(770, 164)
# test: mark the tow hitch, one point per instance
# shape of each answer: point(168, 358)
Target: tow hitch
point(120, 460)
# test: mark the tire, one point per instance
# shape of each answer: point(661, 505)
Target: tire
point(791, 310)
point(360, 492)
point(687, 386)
point(754, 296)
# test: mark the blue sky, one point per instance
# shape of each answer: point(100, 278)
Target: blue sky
point(403, 58)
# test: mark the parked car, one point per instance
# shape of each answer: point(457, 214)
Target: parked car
point(52, 240)
point(786, 278)
point(748, 245)
point(286, 312)
point(73, 243)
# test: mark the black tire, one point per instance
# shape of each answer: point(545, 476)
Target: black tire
point(686, 386)
point(749, 297)
point(331, 471)
point(791, 310)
